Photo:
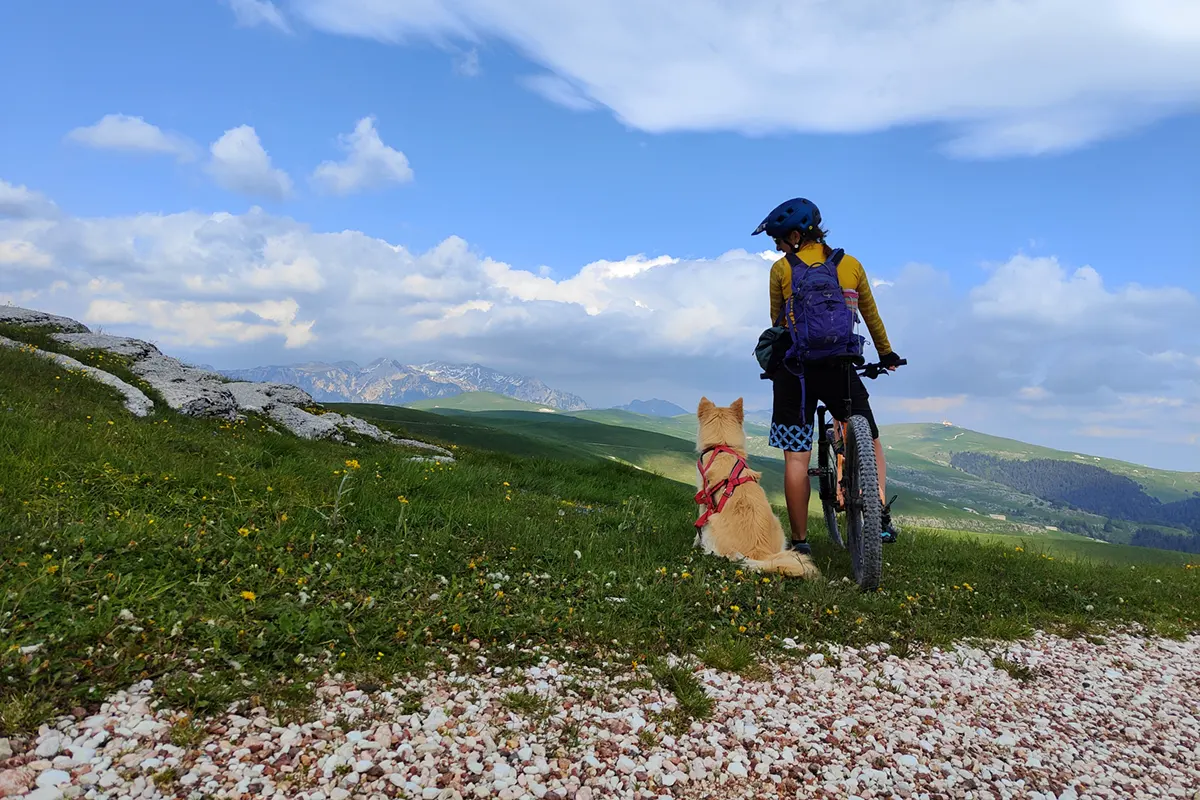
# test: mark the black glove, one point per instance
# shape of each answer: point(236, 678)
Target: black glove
point(891, 360)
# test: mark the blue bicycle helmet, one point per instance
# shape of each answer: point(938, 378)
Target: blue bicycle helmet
point(795, 214)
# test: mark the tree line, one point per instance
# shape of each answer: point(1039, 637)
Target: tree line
point(1084, 487)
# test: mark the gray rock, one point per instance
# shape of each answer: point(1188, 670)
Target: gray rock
point(135, 399)
point(191, 391)
point(15, 315)
point(203, 393)
point(252, 396)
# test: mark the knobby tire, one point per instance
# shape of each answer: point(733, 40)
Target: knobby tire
point(863, 507)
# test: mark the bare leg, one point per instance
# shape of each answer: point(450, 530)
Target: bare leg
point(797, 491)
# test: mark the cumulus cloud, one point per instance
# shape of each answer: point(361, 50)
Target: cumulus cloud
point(252, 13)
point(240, 164)
point(369, 163)
point(132, 134)
point(16, 252)
point(1111, 359)
point(1005, 78)
point(21, 201)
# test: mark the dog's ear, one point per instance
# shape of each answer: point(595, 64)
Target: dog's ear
point(736, 408)
point(705, 406)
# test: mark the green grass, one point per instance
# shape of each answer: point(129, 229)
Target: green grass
point(231, 564)
point(478, 401)
point(683, 426)
point(459, 429)
point(565, 436)
point(1057, 544)
point(936, 443)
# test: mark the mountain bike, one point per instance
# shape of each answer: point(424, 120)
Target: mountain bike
point(853, 490)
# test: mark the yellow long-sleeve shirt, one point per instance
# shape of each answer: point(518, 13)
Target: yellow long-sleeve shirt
point(855, 286)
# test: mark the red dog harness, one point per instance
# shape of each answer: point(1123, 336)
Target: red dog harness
point(707, 496)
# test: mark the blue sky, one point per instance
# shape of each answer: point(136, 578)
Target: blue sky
point(958, 170)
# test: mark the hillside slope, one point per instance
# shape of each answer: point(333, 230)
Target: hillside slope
point(235, 563)
point(935, 492)
point(479, 401)
point(937, 443)
point(947, 499)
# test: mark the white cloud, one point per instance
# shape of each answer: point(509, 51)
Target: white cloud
point(239, 163)
point(467, 64)
point(558, 90)
point(926, 406)
point(21, 202)
point(133, 134)
point(994, 358)
point(1037, 76)
point(16, 252)
point(252, 13)
point(369, 163)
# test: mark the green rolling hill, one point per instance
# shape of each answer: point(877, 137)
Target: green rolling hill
point(479, 401)
point(559, 436)
point(933, 493)
point(921, 482)
point(936, 443)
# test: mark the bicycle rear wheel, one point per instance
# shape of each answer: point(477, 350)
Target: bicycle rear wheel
point(827, 470)
point(863, 507)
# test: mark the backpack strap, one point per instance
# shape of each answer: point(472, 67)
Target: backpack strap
point(800, 269)
point(830, 265)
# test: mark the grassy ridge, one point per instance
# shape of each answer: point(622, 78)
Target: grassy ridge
point(226, 561)
point(476, 401)
point(566, 436)
point(936, 443)
point(932, 492)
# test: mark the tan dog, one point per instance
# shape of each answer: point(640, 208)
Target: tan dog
point(744, 528)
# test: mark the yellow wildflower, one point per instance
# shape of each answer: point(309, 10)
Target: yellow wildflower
point(248, 595)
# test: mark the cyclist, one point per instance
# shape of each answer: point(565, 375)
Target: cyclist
point(795, 225)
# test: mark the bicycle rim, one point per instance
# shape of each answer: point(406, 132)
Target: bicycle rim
point(827, 464)
point(863, 509)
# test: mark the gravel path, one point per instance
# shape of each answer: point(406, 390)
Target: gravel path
point(1119, 719)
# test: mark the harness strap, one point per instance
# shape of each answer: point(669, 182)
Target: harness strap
point(707, 496)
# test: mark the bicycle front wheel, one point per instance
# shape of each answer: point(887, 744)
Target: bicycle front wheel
point(863, 506)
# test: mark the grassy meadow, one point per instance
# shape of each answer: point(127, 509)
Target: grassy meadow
point(227, 562)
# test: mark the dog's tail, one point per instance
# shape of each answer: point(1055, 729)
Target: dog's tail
point(788, 562)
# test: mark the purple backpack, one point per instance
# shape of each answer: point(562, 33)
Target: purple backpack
point(817, 316)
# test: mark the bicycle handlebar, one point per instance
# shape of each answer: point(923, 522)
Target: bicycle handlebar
point(873, 371)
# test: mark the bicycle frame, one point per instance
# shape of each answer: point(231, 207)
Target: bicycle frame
point(835, 433)
point(834, 482)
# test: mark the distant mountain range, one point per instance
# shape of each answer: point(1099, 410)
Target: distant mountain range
point(388, 382)
point(653, 408)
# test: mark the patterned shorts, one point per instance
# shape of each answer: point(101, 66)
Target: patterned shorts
point(792, 438)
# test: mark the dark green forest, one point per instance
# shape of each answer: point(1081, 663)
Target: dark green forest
point(1095, 490)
